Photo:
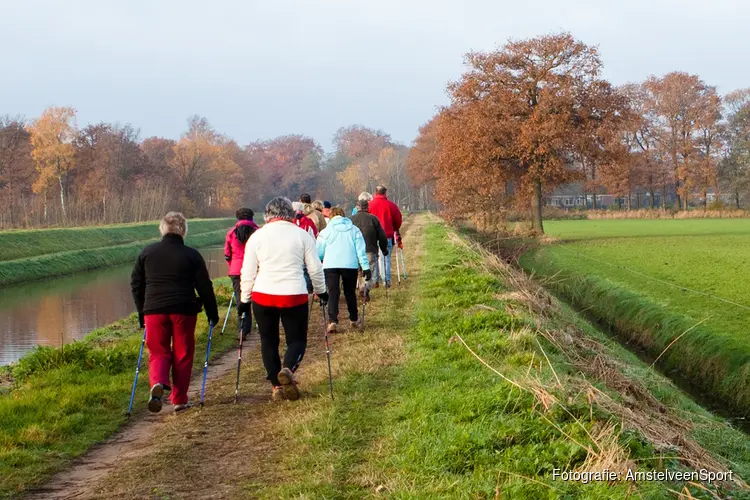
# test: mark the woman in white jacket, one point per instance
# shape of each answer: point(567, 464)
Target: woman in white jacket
point(273, 279)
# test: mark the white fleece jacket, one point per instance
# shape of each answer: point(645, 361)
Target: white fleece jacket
point(275, 258)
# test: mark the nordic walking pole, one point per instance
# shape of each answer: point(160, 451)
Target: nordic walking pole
point(403, 264)
point(328, 349)
point(205, 365)
point(398, 271)
point(239, 358)
point(137, 371)
point(364, 303)
point(381, 272)
point(228, 311)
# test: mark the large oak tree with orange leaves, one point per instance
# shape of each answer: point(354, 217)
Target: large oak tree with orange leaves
point(519, 119)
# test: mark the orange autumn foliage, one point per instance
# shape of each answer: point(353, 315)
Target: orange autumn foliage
point(518, 119)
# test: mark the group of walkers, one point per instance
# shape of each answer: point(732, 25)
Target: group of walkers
point(305, 247)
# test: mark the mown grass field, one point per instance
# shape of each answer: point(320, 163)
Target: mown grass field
point(45, 253)
point(55, 403)
point(652, 280)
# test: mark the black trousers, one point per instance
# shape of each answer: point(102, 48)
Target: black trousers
point(333, 278)
point(294, 320)
point(249, 323)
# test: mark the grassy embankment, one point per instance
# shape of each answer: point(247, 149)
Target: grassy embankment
point(653, 281)
point(417, 416)
point(43, 253)
point(55, 403)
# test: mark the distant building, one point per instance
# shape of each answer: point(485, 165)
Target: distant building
point(572, 196)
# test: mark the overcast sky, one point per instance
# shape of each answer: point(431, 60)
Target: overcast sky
point(259, 69)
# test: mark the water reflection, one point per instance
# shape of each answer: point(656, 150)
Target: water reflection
point(61, 310)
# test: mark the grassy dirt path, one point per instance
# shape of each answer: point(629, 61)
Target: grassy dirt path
point(226, 450)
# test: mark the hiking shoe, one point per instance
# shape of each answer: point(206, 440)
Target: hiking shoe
point(288, 385)
point(332, 327)
point(154, 401)
point(183, 407)
point(277, 394)
point(376, 284)
point(355, 324)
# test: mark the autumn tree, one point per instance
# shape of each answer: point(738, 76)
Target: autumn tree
point(685, 109)
point(422, 160)
point(287, 165)
point(16, 166)
point(108, 160)
point(734, 167)
point(52, 137)
point(529, 99)
point(641, 134)
point(193, 162)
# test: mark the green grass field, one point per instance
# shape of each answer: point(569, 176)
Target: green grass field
point(654, 279)
point(55, 403)
point(45, 253)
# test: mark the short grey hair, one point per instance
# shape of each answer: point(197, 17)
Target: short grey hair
point(364, 195)
point(363, 205)
point(173, 223)
point(279, 208)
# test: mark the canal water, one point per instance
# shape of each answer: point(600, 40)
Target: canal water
point(57, 311)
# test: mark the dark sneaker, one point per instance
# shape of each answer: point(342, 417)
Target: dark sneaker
point(288, 385)
point(355, 324)
point(277, 394)
point(155, 401)
point(183, 407)
point(376, 284)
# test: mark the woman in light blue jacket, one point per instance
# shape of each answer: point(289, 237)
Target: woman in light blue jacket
point(342, 249)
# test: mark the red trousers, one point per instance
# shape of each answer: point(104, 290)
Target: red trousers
point(170, 339)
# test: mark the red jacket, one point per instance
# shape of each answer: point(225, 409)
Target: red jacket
point(387, 213)
point(307, 224)
point(234, 249)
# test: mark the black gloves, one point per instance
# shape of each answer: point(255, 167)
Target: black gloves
point(244, 308)
point(213, 321)
point(385, 253)
point(323, 297)
point(141, 321)
point(367, 274)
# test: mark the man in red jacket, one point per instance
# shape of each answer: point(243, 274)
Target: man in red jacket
point(390, 218)
point(234, 252)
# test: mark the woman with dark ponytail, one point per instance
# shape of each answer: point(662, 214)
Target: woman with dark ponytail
point(234, 252)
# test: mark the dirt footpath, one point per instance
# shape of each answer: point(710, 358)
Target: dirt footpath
point(216, 451)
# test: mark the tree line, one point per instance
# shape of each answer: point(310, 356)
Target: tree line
point(537, 113)
point(54, 173)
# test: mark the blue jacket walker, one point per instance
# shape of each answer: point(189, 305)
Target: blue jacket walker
point(342, 246)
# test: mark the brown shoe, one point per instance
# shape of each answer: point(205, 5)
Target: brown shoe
point(278, 393)
point(355, 324)
point(288, 385)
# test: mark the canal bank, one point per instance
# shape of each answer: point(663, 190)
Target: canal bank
point(60, 310)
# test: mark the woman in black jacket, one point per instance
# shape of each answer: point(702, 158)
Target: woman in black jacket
point(164, 280)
